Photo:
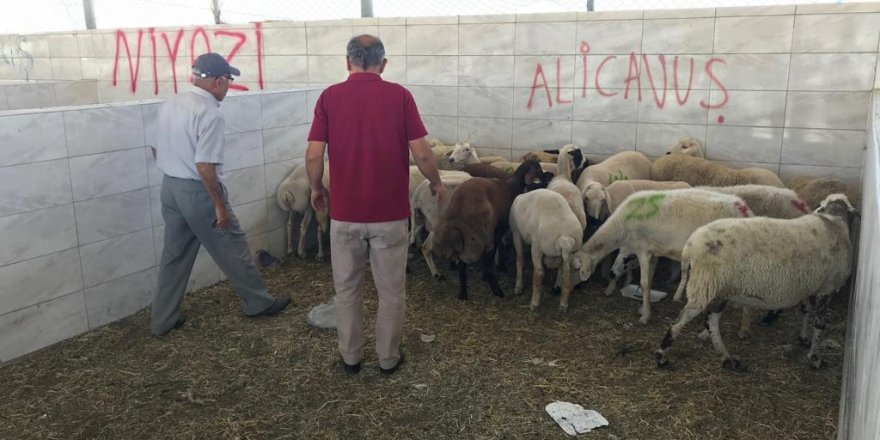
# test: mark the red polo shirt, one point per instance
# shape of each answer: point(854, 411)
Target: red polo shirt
point(367, 123)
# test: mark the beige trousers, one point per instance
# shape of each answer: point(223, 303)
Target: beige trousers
point(385, 244)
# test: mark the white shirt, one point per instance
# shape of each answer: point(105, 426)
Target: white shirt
point(189, 130)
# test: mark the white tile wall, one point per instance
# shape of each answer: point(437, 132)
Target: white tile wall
point(750, 144)
point(107, 217)
point(604, 137)
point(283, 109)
point(485, 102)
point(120, 128)
point(330, 40)
point(284, 143)
point(107, 173)
point(436, 100)
point(486, 39)
point(769, 34)
point(284, 41)
point(546, 38)
point(432, 40)
point(526, 73)
point(655, 139)
point(34, 186)
point(119, 256)
point(835, 148)
point(832, 72)
point(242, 113)
point(327, 68)
point(752, 72)
point(432, 70)
point(610, 37)
point(839, 110)
point(540, 134)
point(36, 233)
point(751, 108)
point(836, 33)
point(246, 185)
point(22, 96)
point(76, 93)
point(119, 298)
point(486, 71)
point(690, 35)
point(444, 128)
point(40, 279)
point(44, 324)
point(486, 132)
point(243, 150)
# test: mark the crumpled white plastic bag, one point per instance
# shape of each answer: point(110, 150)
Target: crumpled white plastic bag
point(633, 291)
point(323, 315)
point(573, 418)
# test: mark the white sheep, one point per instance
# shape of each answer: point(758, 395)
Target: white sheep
point(769, 264)
point(614, 195)
point(653, 224)
point(562, 184)
point(767, 201)
point(294, 196)
point(625, 165)
point(466, 154)
point(543, 219)
point(701, 172)
point(416, 177)
point(687, 145)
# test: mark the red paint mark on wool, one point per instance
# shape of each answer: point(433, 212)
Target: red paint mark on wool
point(743, 208)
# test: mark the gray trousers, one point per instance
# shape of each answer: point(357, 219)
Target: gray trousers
point(385, 246)
point(189, 222)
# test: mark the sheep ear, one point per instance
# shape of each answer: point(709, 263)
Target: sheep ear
point(606, 211)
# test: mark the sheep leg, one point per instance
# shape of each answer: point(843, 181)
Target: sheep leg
point(462, 280)
point(428, 254)
point(820, 308)
point(727, 361)
point(688, 313)
point(518, 250)
point(685, 272)
point(290, 216)
point(537, 276)
point(565, 270)
point(489, 276)
point(808, 312)
point(303, 228)
point(645, 262)
point(745, 325)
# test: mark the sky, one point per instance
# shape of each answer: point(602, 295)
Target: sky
point(33, 16)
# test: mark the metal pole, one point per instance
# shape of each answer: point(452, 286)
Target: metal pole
point(215, 9)
point(89, 12)
point(590, 5)
point(366, 8)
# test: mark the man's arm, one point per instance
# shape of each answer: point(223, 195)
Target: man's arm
point(315, 171)
point(427, 164)
point(208, 173)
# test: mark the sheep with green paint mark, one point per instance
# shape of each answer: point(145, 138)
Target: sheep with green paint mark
point(625, 165)
point(653, 224)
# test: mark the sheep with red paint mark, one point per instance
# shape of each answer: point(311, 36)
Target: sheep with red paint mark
point(768, 264)
point(653, 224)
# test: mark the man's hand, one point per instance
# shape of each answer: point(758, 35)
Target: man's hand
point(440, 191)
point(222, 216)
point(320, 199)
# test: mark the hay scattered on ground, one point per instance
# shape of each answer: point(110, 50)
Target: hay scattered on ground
point(492, 368)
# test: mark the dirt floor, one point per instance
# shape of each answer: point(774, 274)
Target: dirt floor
point(492, 368)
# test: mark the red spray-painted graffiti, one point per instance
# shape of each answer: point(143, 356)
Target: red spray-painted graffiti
point(635, 74)
point(173, 50)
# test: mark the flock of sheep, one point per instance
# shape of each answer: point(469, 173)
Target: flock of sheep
point(743, 239)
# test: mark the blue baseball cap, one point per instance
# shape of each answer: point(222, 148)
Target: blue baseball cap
point(213, 65)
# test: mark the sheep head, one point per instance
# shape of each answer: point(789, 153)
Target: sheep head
point(595, 197)
point(688, 146)
point(456, 241)
point(584, 263)
point(526, 173)
point(838, 205)
point(463, 154)
point(577, 156)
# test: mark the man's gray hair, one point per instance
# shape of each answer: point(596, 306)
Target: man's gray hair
point(365, 51)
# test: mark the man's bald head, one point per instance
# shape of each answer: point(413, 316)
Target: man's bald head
point(366, 51)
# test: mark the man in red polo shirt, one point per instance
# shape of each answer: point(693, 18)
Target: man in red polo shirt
point(370, 126)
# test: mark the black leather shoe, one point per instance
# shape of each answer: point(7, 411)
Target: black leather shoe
point(275, 308)
point(351, 370)
point(392, 370)
point(180, 321)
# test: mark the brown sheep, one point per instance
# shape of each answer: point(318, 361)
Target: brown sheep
point(485, 170)
point(476, 218)
point(814, 189)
